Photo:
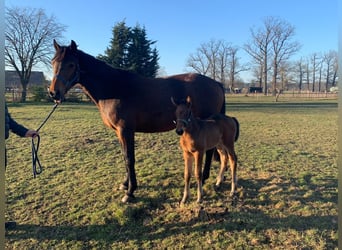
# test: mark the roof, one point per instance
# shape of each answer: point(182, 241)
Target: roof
point(12, 78)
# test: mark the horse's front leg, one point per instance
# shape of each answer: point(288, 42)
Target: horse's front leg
point(198, 174)
point(126, 138)
point(188, 160)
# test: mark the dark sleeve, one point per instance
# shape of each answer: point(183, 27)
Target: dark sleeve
point(14, 126)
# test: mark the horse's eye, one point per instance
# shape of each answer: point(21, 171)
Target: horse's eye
point(71, 65)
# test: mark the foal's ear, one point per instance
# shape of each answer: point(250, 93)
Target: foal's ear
point(56, 45)
point(73, 45)
point(188, 101)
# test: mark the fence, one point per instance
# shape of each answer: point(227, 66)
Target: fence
point(77, 95)
point(300, 95)
point(41, 95)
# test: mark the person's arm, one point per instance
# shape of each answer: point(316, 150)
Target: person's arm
point(15, 127)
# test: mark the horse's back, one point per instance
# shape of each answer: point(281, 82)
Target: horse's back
point(228, 125)
point(151, 109)
point(207, 95)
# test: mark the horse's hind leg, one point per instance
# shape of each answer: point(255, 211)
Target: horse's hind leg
point(206, 170)
point(126, 138)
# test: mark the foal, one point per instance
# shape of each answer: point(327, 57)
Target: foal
point(198, 135)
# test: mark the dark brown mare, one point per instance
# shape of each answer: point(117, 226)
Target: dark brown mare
point(130, 103)
point(198, 135)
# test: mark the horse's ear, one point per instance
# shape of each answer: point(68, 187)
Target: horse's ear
point(73, 45)
point(173, 101)
point(56, 45)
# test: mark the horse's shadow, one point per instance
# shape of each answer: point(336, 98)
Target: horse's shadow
point(246, 215)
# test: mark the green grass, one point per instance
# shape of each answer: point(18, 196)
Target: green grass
point(287, 184)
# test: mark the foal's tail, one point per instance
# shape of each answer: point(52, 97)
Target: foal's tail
point(237, 133)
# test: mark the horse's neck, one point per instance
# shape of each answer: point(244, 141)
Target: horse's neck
point(101, 81)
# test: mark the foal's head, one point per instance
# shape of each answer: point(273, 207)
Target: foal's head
point(183, 114)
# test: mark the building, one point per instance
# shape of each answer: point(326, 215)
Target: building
point(12, 80)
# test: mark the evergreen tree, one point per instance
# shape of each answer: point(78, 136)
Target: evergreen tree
point(131, 50)
point(116, 53)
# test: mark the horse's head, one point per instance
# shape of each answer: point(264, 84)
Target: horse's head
point(183, 114)
point(66, 70)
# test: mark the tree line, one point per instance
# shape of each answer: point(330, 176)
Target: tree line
point(270, 48)
point(29, 32)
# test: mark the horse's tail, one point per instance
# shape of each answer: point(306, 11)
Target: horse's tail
point(223, 107)
point(237, 133)
point(223, 112)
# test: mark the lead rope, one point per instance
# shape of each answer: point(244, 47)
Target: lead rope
point(35, 147)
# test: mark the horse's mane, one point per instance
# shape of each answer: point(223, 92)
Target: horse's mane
point(101, 67)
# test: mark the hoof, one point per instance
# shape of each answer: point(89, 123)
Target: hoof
point(127, 198)
point(199, 201)
point(234, 201)
point(217, 187)
point(123, 187)
point(182, 202)
point(233, 195)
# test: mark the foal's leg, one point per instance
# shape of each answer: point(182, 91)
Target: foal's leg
point(198, 174)
point(126, 138)
point(188, 160)
point(233, 169)
point(224, 162)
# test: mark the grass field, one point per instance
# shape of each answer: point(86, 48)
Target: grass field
point(287, 184)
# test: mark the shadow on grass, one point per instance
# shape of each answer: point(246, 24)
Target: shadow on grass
point(250, 215)
point(251, 220)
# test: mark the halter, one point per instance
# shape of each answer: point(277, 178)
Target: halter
point(185, 121)
point(69, 83)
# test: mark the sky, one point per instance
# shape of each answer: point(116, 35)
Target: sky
point(179, 27)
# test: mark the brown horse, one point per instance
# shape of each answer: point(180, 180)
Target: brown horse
point(198, 135)
point(130, 103)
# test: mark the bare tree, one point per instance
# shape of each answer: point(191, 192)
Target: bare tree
point(282, 45)
point(234, 66)
point(331, 64)
point(209, 59)
point(315, 67)
point(259, 48)
point(198, 62)
point(217, 59)
point(335, 69)
point(28, 41)
point(223, 61)
point(307, 72)
point(272, 43)
point(300, 70)
point(320, 65)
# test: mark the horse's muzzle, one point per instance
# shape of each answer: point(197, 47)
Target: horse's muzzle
point(55, 95)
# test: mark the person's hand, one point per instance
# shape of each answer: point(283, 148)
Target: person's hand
point(31, 133)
